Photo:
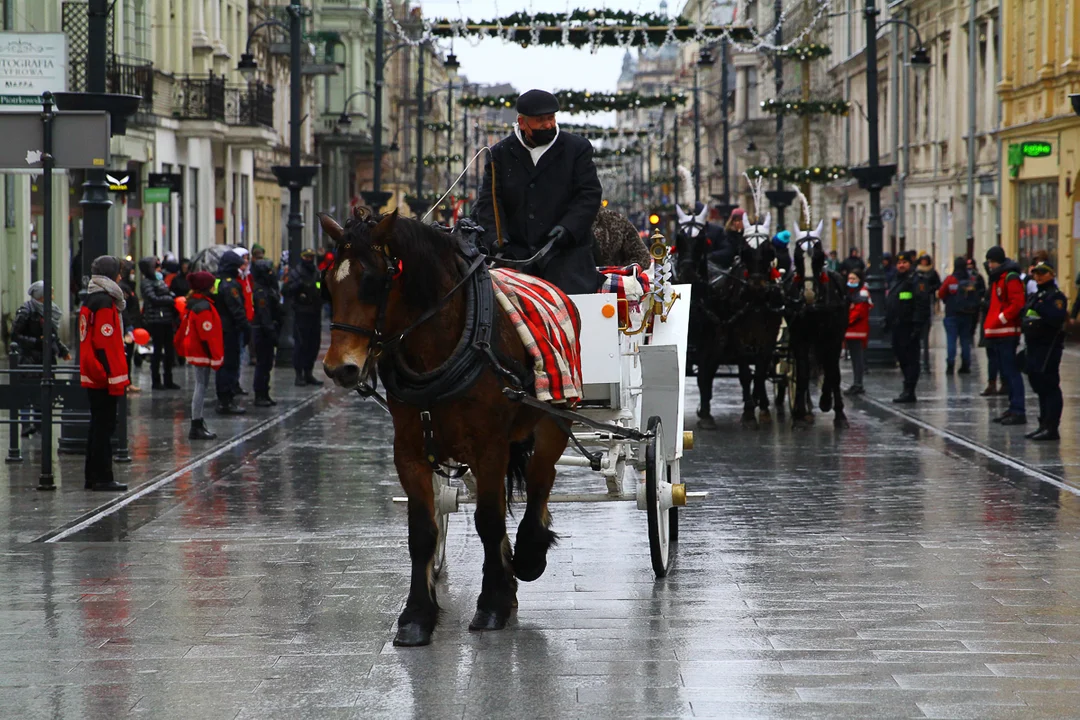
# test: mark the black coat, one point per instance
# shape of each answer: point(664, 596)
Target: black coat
point(907, 304)
point(303, 286)
point(158, 302)
point(28, 332)
point(563, 189)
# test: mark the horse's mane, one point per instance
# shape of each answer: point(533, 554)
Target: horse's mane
point(427, 254)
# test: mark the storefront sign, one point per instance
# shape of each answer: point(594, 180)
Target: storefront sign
point(170, 181)
point(156, 195)
point(120, 181)
point(30, 64)
point(1035, 149)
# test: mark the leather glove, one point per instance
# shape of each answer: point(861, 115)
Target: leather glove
point(560, 235)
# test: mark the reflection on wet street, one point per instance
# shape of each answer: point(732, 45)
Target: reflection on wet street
point(887, 571)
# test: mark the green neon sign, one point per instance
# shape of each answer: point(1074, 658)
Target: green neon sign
point(1035, 149)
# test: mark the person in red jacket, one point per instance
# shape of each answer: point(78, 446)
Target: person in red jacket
point(1002, 328)
point(103, 368)
point(199, 340)
point(247, 286)
point(858, 329)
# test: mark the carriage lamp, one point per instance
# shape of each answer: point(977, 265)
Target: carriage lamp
point(1074, 98)
point(654, 219)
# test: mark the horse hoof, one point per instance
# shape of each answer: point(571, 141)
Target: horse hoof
point(706, 423)
point(412, 635)
point(529, 569)
point(825, 404)
point(749, 421)
point(840, 422)
point(485, 620)
point(764, 417)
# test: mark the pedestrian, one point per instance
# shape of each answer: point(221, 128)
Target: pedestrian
point(28, 329)
point(247, 355)
point(960, 294)
point(159, 311)
point(832, 264)
point(617, 243)
point(304, 289)
point(229, 300)
point(1002, 329)
point(780, 242)
point(199, 341)
point(854, 262)
point(265, 328)
point(888, 268)
point(1031, 285)
point(907, 310)
point(258, 252)
point(858, 329)
point(993, 387)
point(547, 194)
point(1043, 324)
point(930, 277)
point(102, 368)
point(179, 285)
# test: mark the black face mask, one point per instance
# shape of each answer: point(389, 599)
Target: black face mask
point(543, 137)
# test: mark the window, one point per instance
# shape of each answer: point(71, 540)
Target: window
point(193, 200)
point(182, 243)
point(245, 183)
point(1037, 228)
point(751, 92)
point(166, 219)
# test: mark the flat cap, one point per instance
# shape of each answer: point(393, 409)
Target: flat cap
point(537, 102)
point(1043, 267)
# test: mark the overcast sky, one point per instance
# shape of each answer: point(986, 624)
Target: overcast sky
point(491, 61)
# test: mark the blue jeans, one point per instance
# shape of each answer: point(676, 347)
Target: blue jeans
point(958, 327)
point(1004, 350)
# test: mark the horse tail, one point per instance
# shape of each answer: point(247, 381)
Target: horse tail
point(520, 454)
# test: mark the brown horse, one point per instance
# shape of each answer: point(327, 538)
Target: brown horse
point(402, 301)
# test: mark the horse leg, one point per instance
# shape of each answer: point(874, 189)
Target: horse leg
point(825, 352)
point(840, 420)
point(746, 379)
point(417, 620)
point(499, 588)
point(761, 381)
point(534, 536)
point(708, 362)
point(802, 382)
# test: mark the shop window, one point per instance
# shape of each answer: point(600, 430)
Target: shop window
point(1037, 227)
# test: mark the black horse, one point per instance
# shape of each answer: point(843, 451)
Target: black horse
point(740, 310)
point(817, 315)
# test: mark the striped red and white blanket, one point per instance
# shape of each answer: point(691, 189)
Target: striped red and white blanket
point(629, 284)
point(549, 326)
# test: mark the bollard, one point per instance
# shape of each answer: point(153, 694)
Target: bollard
point(122, 455)
point(14, 451)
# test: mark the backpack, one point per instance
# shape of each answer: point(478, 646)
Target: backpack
point(967, 297)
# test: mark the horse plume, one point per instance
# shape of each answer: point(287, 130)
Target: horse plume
point(686, 187)
point(805, 205)
point(757, 192)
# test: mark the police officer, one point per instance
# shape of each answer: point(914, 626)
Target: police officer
point(907, 310)
point(267, 322)
point(234, 325)
point(546, 191)
point(304, 288)
point(1043, 324)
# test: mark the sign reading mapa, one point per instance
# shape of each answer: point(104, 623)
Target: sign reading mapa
point(30, 64)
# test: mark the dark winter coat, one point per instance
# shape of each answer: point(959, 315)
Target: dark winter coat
point(28, 331)
point(267, 298)
point(562, 189)
point(303, 286)
point(853, 263)
point(229, 297)
point(907, 304)
point(158, 302)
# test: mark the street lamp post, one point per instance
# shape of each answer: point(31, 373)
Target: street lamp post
point(420, 125)
point(874, 177)
point(697, 126)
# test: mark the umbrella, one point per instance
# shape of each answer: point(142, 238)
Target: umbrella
point(208, 258)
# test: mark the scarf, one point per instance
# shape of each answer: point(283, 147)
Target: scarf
point(37, 295)
point(100, 283)
point(535, 152)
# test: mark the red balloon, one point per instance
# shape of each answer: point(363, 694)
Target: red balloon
point(180, 304)
point(141, 336)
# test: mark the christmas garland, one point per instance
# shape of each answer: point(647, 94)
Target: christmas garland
point(587, 28)
point(590, 132)
point(437, 127)
point(437, 159)
point(815, 173)
point(813, 51)
point(806, 107)
point(602, 153)
point(575, 101)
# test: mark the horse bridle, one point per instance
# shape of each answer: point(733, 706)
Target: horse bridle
point(377, 345)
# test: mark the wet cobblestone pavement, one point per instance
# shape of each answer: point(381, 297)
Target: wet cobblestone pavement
point(924, 563)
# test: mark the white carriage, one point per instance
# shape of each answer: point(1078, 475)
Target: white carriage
point(633, 380)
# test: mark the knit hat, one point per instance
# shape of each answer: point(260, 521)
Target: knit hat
point(200, 281)
point(37, 291)
point(996, 254)
point(783, 237)
point(738, 213)
point(106, 265)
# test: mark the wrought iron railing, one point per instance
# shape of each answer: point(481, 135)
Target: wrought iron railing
point(131, 76)
point(250, 105)
point(199, 97)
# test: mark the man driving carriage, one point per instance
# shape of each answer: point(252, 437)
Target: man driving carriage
point(542, 184)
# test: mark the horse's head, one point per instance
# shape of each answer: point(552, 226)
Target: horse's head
point(691, 242)
point(360, 283)
point(692, 225)
point(808, 243)
point(757, 253)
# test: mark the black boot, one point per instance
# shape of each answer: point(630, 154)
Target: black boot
point(1046, 434)
point(107, 486)
point(301, 381)
point(964, 369)
point(312, 380)
point(907, 396)
point(169, 384)
point(228, 406)
point(949, 367)
point(264, 400)
point(199, 431)
point(1031, 435)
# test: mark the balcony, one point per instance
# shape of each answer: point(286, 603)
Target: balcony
point(131, 76)
point(199, 98)
point(250, 106)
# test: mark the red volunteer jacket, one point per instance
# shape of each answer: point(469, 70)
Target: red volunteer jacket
point(858, 329)
point(1007, 298)
point(199, 337)
point(249, 299)
point(102, 362)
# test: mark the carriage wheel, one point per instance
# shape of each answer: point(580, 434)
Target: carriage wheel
point(442, 522)
point(658, 506)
